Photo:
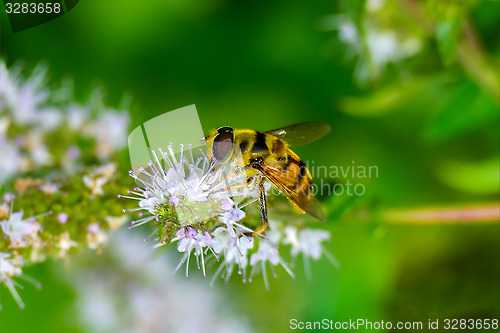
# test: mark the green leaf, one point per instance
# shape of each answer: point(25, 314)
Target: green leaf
point(448, 34)
point(449, 17)
point(418, 94)
point(464, 109)
point(477, 178)
point(354, 9)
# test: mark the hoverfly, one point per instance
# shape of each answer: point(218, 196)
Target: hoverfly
point(267, 155)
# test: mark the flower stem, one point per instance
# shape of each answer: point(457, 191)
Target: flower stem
point(482, 213)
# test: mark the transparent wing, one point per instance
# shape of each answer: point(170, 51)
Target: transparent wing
point(304, 200)
point(302, 133)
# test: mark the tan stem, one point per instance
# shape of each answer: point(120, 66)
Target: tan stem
point(486, 213)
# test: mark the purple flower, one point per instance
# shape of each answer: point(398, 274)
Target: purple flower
point(191, 232)
point(174, 200)
point(62, 217)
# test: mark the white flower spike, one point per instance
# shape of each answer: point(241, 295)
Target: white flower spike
point(196, 202)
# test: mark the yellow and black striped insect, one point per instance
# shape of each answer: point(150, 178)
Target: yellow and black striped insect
point(267, 155)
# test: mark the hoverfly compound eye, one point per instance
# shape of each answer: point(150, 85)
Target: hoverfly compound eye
point(223, 143)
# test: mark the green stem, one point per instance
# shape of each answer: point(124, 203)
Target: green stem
point(469, 54)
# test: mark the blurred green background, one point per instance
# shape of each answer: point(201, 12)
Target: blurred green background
point(429, 121)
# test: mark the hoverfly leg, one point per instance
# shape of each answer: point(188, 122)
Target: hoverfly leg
point(262, 206)
point(246, 183)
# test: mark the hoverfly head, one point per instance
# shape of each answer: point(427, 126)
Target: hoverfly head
point(222, 143)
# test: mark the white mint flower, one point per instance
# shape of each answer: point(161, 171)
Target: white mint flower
point(76, 116)
point(235, 252)
point(8, 197)
point(4, 211)
point(268, 252)
point(98, 177)
point(20, 231)
point(29, 98)
point(308, 241)
point(49, 188)
point(72, 154)
point(4, 126)
point(115, 222)
point(37, 111)
point(65, 244)
point(96, 237)
point(110, 130)
point(377, 45)
point(37, 250)
point(8, 87)
point(107, 170)
point(192, 186)
point(198, 204)
point(10, 268)
point(62, 217)
point(150, 298)
point(232, 215)
point(95, 184)
point(39, 152)
point(374, 5)
point(150, 201)
point(191, 240)
point(11, 158)
point(386, 47)
point(44, 131)
point(41, 156)
point(52, 118)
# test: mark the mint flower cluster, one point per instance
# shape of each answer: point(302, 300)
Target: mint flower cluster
point(42, 127)
point(57, 178)
point(197, 204)
point(109, 299)
point(382, 37)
